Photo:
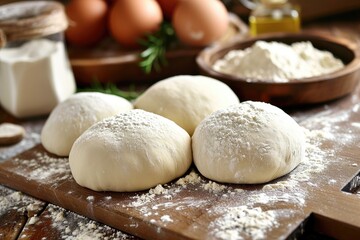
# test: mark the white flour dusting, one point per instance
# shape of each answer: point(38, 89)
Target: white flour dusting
point(284, 185)
point(252, 222)
point(191, 178)
point(32, 207)
point(80, 227)
point(326, 125)
point(166, 218)
point(148, 197)
point(10, 200)
point(168, 191)
point(332, 181)
point(278, 62)
point(44, 168)
point(33, 220)
point(159, 189)
point(315, 160)
point(214, 187)
point(90, 198)
point(295, 198)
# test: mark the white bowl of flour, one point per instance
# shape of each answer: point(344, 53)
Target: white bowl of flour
point(285, 69)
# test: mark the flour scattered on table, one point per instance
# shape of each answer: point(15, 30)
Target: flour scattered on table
point(315, 161)
point(326, 125)
point(74, 227)
point(159, 189)
point(43, 168)
point(285, 185)
point(191, 178)
point(32, 207)
point(332, 181)
point(33, 220)
point(266, 198)
point(195, 179)
point(17, 201)
point(168, 191)
point(214, 187)
point(90, 198)
point(235, 222)
point(166, 218)
point(58, 216)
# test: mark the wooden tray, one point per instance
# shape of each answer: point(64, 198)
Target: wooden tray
point(109, 62)
point(316, 198)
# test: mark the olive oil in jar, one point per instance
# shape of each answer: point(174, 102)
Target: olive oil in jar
point(274, 16)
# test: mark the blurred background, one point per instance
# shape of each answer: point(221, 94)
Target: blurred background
point(310, 9)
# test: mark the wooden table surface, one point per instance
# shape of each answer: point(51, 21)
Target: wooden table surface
point(19, 213)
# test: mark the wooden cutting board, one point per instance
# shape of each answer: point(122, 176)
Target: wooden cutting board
point(319, 197)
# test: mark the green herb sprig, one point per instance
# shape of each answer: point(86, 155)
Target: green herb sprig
point(111, 88)
point(156, 45)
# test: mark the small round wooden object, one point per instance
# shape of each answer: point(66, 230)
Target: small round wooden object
point(297, 91)
point(11, 133)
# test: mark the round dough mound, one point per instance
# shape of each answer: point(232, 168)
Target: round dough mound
point(186, 100)
point(252, 142)
point(132, 151)
point(71, 118)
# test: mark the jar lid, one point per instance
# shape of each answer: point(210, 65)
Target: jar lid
point(31, 19)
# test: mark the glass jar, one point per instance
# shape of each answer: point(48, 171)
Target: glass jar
point(35, 74)
point(270, 16)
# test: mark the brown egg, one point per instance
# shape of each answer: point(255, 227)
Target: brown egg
point(131, 20)
point(200, 22)
point(87, 21)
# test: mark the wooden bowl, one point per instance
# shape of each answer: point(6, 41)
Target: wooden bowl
point(298, 92)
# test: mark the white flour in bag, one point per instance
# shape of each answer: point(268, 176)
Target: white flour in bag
point(278, 62)
point(34, 77)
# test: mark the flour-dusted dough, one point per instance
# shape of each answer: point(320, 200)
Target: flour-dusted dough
point(186, 99)
point(132, 151)
point(72, 117)
point(252, 142)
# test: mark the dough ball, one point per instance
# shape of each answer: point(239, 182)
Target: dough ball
point(252, 142)
point(186, 100)
point(132, 151)
point(71, 118)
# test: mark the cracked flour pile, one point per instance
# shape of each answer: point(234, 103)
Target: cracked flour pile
point(278, 62)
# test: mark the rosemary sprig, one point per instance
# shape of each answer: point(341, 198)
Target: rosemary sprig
point(156, 45)
point(111, 88)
